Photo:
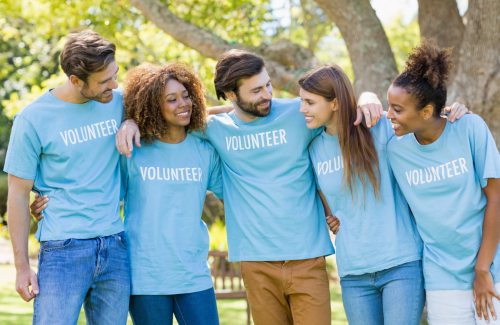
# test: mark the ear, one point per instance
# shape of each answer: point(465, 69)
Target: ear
point(75, 81)
point(231, 96)
point(427, 112)
point(335, 105)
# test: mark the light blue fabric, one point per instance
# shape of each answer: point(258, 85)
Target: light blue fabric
point(273, 212)
point(69, 151)
point(379, 234)
point(165, 187)
point(442, 183)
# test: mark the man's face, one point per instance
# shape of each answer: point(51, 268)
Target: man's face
point(99, 85)
point(254, 95)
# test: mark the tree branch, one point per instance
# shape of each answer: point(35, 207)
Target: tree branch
point(371, 55)
point(441, 21)
point(277, 57)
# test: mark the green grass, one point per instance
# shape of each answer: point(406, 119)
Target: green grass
point(14, 311)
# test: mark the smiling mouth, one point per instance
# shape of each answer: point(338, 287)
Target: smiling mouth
point(309, 118)
point(183, 114)
point(395, 125)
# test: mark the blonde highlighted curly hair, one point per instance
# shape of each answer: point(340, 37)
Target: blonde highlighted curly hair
point(144, 87)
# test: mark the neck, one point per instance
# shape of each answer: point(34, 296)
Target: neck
point(331, 127)
point(176, 134)
point(242, 115)
point(69, 93)
point(431, 131)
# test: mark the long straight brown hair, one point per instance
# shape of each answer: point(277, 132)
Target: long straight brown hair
point(359, 154)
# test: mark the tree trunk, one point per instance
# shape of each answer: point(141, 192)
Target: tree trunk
point(278, 57)
point(441, 21)
point(371, 55)
point(477, 81)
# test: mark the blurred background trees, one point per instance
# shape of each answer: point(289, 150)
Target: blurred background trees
point(292, 35)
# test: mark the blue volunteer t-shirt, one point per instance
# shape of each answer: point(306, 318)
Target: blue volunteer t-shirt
point(376, 235)
point(69, 151)
point(273, 212)
point(442, 183)
point(165, 187)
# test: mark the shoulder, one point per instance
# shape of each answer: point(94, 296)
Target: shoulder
point(31, 111)
point(396, 143)
point(382, 131)
point(201, 144)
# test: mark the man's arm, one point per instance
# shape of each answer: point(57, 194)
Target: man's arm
point(19, 227)
point(331, 220)
point(220, 109)
point(484, 287)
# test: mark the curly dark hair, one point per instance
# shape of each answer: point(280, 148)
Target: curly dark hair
point(143, 90)
point(425, 75)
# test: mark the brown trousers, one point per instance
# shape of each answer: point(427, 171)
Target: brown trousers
point(288, 292)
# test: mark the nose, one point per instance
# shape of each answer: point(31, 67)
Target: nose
point(390, 113)
point(268, 93)
point(302, 109)
point(113, 84)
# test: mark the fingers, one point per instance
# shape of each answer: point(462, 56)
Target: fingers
point(479, 308)
point(137, 137)
point(484, 310)
point(359, 116)
point(492, 308)
point(367, 114)
point(38, 206)
point(453, 112)
point(34, 285)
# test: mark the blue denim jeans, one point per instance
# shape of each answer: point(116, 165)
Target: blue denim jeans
point(390, 297)
point(189, 309)
point(93, 272)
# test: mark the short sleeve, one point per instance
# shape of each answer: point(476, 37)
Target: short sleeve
point(199, 134)
point(123, 176)
point(25, 148)
point(485, 152)
point(215, 180)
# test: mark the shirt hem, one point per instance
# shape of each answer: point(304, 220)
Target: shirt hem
point(87, 236)
point(380, 268)
point(171, 292)
point(19, 174)
point(273, 258)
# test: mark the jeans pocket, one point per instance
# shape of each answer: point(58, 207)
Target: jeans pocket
point(122, 240)
point(51, 245)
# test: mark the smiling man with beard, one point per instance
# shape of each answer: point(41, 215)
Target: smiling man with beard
point(275, 220)
point(62, 146)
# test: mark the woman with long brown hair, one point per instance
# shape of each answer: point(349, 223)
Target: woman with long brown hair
point(378, 248)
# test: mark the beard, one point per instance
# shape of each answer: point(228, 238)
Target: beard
point(251, 107)
point(99, 97)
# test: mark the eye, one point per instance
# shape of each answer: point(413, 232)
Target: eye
point(186, 96)
point(171, 100)
point(256, 91)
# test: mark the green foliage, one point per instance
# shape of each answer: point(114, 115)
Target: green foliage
point(218, 238)
point(402, 38)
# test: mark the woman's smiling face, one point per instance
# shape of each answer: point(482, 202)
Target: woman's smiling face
point(403, 113)
point(316, 109)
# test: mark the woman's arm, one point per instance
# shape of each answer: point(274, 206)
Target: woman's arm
point(484, 288)
point(333, 222)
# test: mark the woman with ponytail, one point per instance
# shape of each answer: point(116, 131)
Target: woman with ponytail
point(378, 248)
point(449, 174)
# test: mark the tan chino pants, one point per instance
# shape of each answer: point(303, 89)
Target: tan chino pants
point(288, 292)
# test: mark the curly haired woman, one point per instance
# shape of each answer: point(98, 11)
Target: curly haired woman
point(164, 184)
point(449, 174)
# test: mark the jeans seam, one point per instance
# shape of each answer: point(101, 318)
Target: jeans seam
point(91, 310)
point(180, 311)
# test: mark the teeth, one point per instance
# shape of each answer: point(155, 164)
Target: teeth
point(395, 125)
point(309, 118)
point(182, 114)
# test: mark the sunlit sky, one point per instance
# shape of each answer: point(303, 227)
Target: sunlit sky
point(386, 9)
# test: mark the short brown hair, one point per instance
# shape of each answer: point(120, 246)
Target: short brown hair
point(143, 90)
point(85, 53)
point(234, 66)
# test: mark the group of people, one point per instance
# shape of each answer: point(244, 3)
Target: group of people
point(413, 196)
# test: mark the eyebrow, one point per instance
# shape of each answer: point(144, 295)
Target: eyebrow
point(103, 82)
point(174, 93)
point(260, 86)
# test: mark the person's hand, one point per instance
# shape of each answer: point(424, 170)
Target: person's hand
point(128, 131)
point(25, 278)
point(38, 206)
point(220, 109)
point(370, 106)
point(333, 224)
point(456, 111)
point(484, 291)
